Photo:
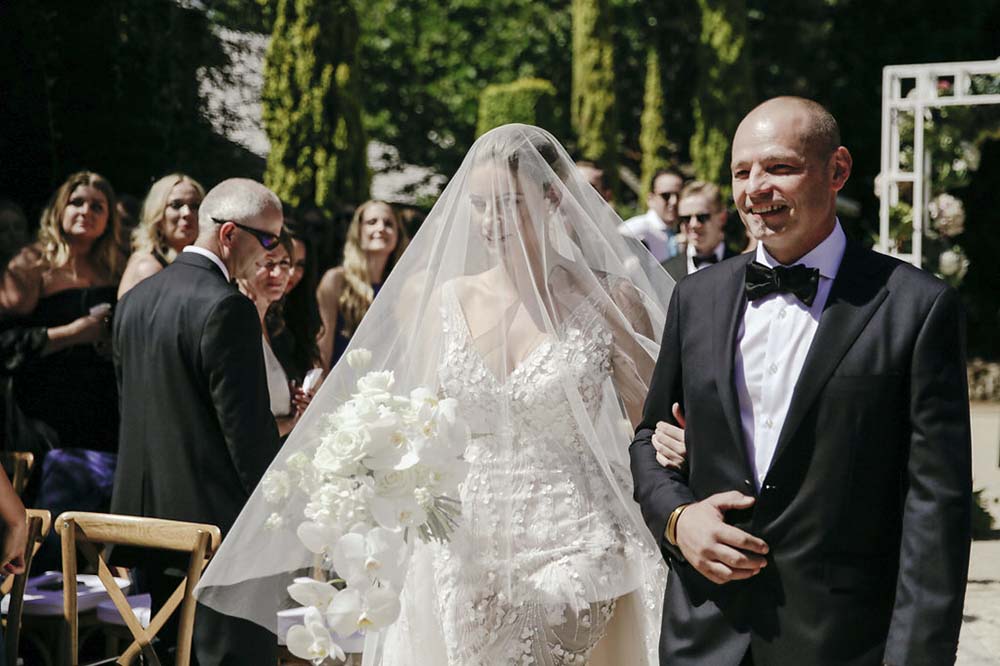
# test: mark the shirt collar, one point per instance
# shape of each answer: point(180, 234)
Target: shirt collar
point(211, 255)
point(657, 222)
point(719, 251)
point(826, 256)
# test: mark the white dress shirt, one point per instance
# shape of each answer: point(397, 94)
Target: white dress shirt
point(771, 348)
point(653, 232)
point(278, 389)
point(719, 252)
point(211, 255)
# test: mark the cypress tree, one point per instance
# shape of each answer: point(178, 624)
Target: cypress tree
point(652, 134)
point(593, 99)
point(723, 89)
point(310, 105)
point(529, 101)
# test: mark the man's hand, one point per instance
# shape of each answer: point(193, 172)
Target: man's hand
point(668, 440)
point(718, 551)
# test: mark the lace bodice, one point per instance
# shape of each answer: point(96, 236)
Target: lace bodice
point(532, 574)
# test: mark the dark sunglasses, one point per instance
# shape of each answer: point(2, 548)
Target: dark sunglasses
point(701, 217)
point(267, 240)
point(667, 196)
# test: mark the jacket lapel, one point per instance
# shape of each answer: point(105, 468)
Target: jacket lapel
point(730, 301)
point(854, 297)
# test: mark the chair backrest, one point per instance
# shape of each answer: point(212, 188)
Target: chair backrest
point(87, 530)
point(39, 522)
point(18, 466)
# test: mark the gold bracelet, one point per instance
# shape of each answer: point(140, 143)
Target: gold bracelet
point(672, 524)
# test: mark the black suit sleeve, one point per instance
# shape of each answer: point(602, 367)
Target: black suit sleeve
point(233, 361)
point(934, 552)
point(660, 490)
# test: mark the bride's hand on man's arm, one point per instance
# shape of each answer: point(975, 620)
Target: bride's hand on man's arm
point(668, 440)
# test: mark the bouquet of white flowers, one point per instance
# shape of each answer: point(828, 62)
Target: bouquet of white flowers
point(387, 467)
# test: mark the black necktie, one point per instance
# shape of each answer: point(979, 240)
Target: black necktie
point(798, 280)
point(702, 259)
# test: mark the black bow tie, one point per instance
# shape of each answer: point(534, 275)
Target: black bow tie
point(702, 259)
point(798, 280)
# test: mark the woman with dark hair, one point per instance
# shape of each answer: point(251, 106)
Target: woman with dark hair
point(375, 242)
point(293, 322)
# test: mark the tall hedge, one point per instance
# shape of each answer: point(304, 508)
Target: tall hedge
point(593, 101)
point(529, 101)
point(653, 135)
point(724, 86)
point(311, 108)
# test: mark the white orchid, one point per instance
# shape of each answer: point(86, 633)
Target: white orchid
point(312, 640)
point(353, 610)
point(318, 538)
point(376, 556)
point(313, 593)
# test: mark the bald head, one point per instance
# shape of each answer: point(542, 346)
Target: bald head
point(816, 127)
point(238, 200)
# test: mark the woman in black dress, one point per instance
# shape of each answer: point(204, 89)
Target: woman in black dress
point(63, 402)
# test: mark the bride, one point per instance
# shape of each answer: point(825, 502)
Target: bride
point(519, 300)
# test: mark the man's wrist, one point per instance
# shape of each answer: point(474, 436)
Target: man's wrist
point(671, 532)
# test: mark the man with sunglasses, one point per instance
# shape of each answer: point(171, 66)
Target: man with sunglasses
point(703, 223)
point(657, 228)
point(196, 427)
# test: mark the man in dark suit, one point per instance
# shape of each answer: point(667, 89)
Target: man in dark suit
point(822, 515)
point(196, 428)
point(702, 215)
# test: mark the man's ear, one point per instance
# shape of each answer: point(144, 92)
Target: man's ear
point(842, 163)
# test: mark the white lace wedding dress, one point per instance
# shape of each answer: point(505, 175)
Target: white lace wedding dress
point(539, 562)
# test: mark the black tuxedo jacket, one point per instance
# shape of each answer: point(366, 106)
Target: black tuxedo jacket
point(677, 266)
point(866, 505)
point(196, 428)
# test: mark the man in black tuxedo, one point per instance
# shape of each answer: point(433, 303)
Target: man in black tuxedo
point(702, 215)
point(196, 428)
point(822, 515)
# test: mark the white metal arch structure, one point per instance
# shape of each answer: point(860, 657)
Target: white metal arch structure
point(915, 89)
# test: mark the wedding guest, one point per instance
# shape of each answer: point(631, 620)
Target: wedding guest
point(657, 228)
point(702, 214)
point(197, 431)
point(63, 394)
point(13, 230)
point(595, 175)
point(265, 288)
point(375, 242)
point(169, 223)
point(293, 322)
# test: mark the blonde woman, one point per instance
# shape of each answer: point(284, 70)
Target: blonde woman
point(375, 242)
point(65, 284)
point(168, 224)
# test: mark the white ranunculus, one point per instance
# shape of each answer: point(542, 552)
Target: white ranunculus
point(275, 486)
point(359, 359)
point(313, 593)
point(312, 640)
point(376, 384)
point(947, 214)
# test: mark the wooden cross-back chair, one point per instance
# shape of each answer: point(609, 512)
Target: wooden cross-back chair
point(18, 466)
point(39, 522)
point(88, 530)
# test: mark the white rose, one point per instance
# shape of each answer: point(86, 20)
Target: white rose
point(376, 385)
point(359, 359)
point(298, 462)
point(341, 452)
point(275, 485)
point(393, 483)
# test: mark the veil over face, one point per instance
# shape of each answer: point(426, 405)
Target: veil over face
point(518, 298)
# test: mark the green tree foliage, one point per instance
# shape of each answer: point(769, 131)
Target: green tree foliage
point(593, 103)
point(653, 141)
point(110, 86)
point(723, 92)
point(311, 106)
point(529, 101)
